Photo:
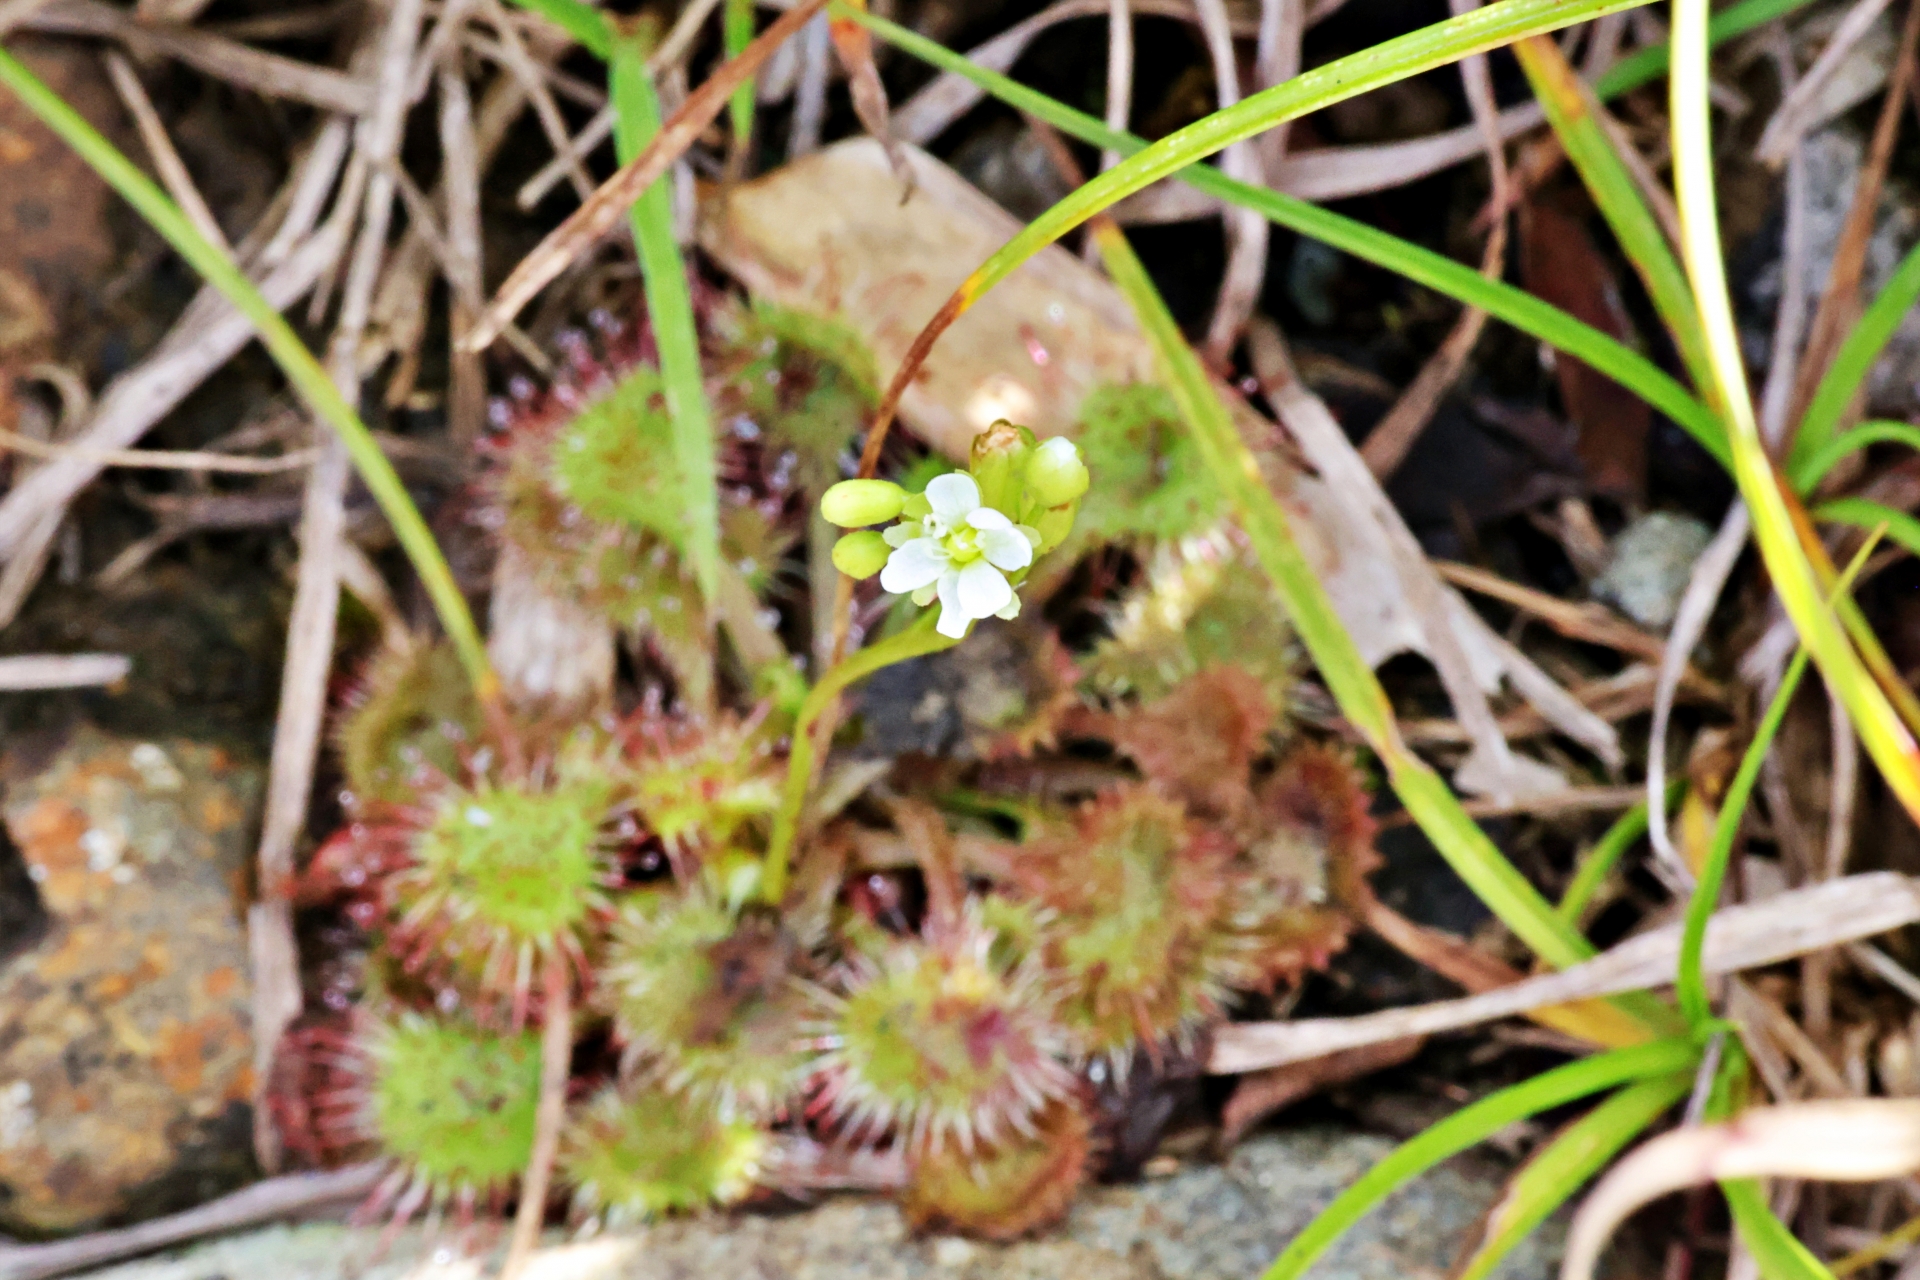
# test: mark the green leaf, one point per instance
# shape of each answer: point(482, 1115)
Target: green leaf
point(1422, 266)
point(1558, 1169)
point(1810, 471)
point(670, 310)
point(1781, 1257)
point(1853, 362)
point(587, 25)
point(1472, 1125)
point(309, 379)
point(1864, 513)
point(1600, 860)
point(736, 33)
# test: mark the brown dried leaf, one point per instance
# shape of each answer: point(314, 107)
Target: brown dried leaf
point(1560, 265)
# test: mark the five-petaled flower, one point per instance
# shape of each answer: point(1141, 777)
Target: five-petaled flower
point(971, 537)
point(960, 551)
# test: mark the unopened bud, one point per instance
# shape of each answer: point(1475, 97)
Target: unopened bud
point(998, 462)
point(1053, 525)
point(854, 504)
point(1055, 473)
point(861, 555)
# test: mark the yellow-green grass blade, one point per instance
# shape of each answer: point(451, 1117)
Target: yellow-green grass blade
point(1852, 363)
point(1473, 1125)
point(1489, 27)
point(1421, 266)
point(1886, 738)
point(1606, 853)
point(1644, 66)
point(670, 310)
point(1553, 1173)
point(1810, 471)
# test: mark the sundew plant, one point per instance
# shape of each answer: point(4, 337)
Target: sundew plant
point(743, 1027)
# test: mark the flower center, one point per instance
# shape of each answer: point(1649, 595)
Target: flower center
point(963, 545)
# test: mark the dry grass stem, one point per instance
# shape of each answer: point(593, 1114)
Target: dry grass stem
point(1798, 111)
point(556, 1055)
point(1119, 108)
point(1742, 937)
point(266, 1201)
point(159, 459)
point(1247, 230)
point(166, 161)
point(62, 671)
point(243, 66)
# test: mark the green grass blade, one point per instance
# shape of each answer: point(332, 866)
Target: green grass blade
point(308, 377)
point(1472, 1125)
point(587, 25)
point(1863, 513)
point(1505, 891)
point(1781, 1257)
point(1886, 738)
point(1808, 474)
point(1557, 1170)
point(1606, 853)
point(670, 310)
point(1644, 66)
point(1854, 361)
point(736, 33)
point(1573, 112)
point(1476, 31)
point(1422, 266)
point(1691, 984)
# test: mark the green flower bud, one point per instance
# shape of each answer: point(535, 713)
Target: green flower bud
point(853, 504)
point(999, 462)
point(1055, 473)
point(1053, 525)
point(861, 555)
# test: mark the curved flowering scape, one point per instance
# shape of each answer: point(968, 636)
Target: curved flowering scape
point(970, 539)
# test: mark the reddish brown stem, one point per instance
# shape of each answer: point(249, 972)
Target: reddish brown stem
point(556, 1059)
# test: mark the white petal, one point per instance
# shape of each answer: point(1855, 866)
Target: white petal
point(1007, 548)
point(953, 619)
point(1031, 534)
point(901, 534)
point(988, 518)
point(954, 496)
point(1012, 610)
point(983, 590)
point(924, 596)
point(913, 566)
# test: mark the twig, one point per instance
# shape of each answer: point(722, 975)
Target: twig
point(1840, 300)
point(466, 249)
point(556, 1054)
point(267, 74)
point(810, 98)
point(159, 459)
point(1248, 230)
point(1388, 444)
point(533, 83)
point(316, 600)
point(1795, 115)
point(1276, 59)
point(1119, 111)
point(1742, 937)
point(266, 1201)
point(166, 161)
point(608, 205)
point(69, 671)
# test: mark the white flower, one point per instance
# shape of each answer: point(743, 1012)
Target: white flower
point(960, 552)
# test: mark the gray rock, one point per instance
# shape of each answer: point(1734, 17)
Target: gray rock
point(1652, 559)
point(126, 1066)
point(1205, 1222)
